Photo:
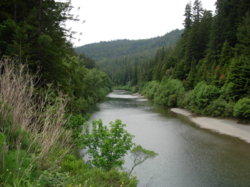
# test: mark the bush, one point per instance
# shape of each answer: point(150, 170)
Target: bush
point(201, 96)
point(107, 146)
point(219, 107)
point(169, 92)
point(242, 109)
point(150, 89)
point(80, 173)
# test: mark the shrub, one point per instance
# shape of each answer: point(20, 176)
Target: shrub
point(107, 147)
point(219, 107)
point(169, 92)
point(79, 173)
point(150, 89)
point(242, 109)
point(75, 122)
point(201, 96)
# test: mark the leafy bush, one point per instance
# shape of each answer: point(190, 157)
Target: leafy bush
point(242, 109)
point(150, 89)
point(106, 147)
point(201, 96)
point(80, 173)
point(75, 122)
point(169, 91)
point(219, 107)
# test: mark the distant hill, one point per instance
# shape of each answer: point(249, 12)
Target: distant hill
point(119, 57)
point(121, 48)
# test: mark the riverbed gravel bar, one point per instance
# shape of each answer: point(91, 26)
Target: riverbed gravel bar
point(222, 126)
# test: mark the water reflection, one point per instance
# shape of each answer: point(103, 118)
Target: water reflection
point(188, 156)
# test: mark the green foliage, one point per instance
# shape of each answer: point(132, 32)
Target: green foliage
point(127, 87)
point(2, 140)
point(80, 173)
point(84, 86)
point(169, 92)
point(243, 35)
point(188, 16)
point(16, 165)
point(75, 122)
point(140, 155)
point(242, 109)
point(150, 89)
point(121, 48)
point(238, 77)
point(32, 34)
point(124, 60)
point(219, 107)
point(201, 96)
point(107, 146)
point(35, 136)
point(213, 50)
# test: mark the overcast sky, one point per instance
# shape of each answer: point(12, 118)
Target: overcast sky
point(105, 20)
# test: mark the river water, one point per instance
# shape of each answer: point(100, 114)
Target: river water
point(188, 156)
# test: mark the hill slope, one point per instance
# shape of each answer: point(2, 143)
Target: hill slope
point(118, 48)
point(119, 58)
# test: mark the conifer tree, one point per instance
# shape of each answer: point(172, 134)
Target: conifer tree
point(197, 11)
point(188, 16)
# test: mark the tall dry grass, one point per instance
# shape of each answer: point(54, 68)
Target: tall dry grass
point(42, 119)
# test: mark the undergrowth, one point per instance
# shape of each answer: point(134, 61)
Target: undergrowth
point(39, 140)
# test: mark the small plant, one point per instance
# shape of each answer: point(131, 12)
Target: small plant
point(140, 155)
point(107, 146)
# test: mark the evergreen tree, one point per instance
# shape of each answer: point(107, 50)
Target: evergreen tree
point(188, 16)
point(197, 11)
point(243, 36)
point(239, 77)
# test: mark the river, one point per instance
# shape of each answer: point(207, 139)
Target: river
point(188, 156)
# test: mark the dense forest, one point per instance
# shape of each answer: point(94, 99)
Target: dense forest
point(121, 59)
point(45, 93)
point(207, 71)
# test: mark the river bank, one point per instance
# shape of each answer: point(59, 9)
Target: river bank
point(222, 126)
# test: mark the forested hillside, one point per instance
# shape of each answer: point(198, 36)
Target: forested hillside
point(208, 71)
point(121, 58)
point(45, 93)
point(119, 48)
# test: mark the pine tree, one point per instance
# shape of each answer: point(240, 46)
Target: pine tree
point(188, 16)
point(197, 11)
point(243, 36)
point(239, 77)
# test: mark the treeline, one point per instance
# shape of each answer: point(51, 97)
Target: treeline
point(122, 59)
point(45, 92)
point(31, 33)
point(208, 71)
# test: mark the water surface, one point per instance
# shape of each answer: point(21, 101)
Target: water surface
point(188, 156)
